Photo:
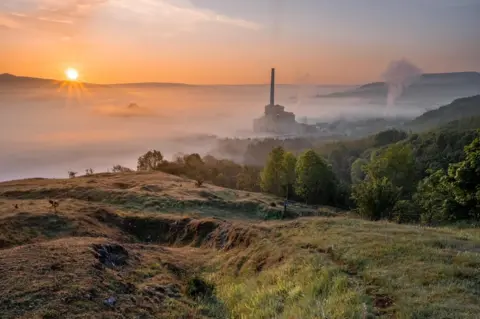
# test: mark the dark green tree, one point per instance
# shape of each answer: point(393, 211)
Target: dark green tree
point(357, 172)
point(376, 198)
point(315, 181)
point(271, 177)
point(289, 175)
point(395, 163)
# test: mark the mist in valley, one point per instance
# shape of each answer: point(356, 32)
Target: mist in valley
point(46, 132)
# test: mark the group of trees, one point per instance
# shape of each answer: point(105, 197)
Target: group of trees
point(393, 188)
point(308, 177)
point(430, 177)
point(219, 172)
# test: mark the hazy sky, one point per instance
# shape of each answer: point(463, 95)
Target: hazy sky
point(236, 41)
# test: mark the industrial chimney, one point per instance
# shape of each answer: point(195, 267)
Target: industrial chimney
point(272, 88)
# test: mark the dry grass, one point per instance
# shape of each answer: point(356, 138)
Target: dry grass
point(315, 267)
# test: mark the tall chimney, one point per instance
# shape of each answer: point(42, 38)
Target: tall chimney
point(272, 88)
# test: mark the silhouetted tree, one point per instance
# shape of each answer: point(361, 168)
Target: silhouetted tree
point(150, 161)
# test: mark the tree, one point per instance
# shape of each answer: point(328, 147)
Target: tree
point(397, 164)
point(357, 172)
point(315, 181)
point(271, 177)
point(375, 199)
point(465, 177)
point(150, 161)
point(289, 175)
point(389, 137)
point(248, 179)
point(435, 199)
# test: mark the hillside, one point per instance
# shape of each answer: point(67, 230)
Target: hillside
point(151, 245)
point(428, 90)
point(458, 110)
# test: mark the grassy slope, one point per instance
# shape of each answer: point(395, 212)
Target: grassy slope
point(311, 267)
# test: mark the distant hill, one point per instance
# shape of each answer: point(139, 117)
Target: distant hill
point(460, 111)
point(428, 90)
point(7, 79)
point(10, 79)
point(149, 85)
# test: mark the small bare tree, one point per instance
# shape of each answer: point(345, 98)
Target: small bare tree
point(54, 205)
point(72, 174)
point(199, 181)
point(89, 172)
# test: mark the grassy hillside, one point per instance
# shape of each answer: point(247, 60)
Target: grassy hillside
point(159, 247)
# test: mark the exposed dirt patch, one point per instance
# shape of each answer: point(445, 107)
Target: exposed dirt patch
point(111, 255)
point(121, 185)
point(382, 301)
point(152, 188)
point(175, 231)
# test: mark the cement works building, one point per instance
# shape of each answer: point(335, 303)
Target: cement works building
point(275, 120)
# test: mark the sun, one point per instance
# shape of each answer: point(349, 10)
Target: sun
point(71, 74)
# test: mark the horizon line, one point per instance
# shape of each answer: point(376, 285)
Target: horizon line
point(212, 84)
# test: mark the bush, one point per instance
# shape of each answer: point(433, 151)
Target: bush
point(375, 199)
point(406, 211)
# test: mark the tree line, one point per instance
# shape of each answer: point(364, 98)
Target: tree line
point(428, 177)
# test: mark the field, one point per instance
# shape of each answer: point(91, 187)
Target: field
point(151, 245)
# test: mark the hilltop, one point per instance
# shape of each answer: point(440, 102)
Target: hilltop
point(428, 90)
point(459, 109)
point(150, 245)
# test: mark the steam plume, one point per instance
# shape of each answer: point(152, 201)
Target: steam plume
point(398, 76)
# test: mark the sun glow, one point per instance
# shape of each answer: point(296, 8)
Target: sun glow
point(71, 74)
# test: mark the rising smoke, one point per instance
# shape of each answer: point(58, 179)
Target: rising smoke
point(399, 75)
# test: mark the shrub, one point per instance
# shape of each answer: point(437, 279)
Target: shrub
point(150, 161)
point(406, 211)
point(121, 169)
point(375, 199)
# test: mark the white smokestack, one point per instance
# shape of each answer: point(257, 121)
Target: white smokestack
point(398, 76)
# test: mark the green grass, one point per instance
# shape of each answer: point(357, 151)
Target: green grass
point(346, 268)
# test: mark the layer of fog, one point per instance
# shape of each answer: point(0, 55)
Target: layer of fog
point(46, 132)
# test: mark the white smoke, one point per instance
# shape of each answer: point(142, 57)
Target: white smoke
point(399, 75)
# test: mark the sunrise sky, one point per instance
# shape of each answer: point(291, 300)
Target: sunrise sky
point(236, 41)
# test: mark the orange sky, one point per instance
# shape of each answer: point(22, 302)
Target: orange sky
point(112, 41)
